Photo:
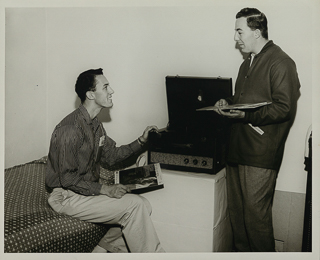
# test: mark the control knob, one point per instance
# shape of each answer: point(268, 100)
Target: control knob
point(204, 163)
point(195, 161)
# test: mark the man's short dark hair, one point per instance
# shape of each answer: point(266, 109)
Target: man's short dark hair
point(86, 81)
point(255, 20)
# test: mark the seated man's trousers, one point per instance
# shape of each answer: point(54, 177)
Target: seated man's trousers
point(130, 216)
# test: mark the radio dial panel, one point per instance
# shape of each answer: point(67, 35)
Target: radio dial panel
point(181, 160)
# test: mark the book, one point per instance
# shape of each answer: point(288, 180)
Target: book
point(235, 106)
point(145, 178)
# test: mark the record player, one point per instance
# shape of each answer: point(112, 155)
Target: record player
point(194, 141)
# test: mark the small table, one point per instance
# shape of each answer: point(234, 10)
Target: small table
point(190, 212)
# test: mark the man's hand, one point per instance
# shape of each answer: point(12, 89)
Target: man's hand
point(221, 103)
point(230, 114)
point(145, 135)
point(116, 191)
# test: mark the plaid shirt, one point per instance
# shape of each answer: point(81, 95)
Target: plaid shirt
point(78, 146)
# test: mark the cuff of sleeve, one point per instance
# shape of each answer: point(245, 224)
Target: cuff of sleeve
point(96, 188)
point(135, 146)
point(246, 117)
point(229, 100)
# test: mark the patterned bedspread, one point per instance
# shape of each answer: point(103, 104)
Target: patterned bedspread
point(32, 226)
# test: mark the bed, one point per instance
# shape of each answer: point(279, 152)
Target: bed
point(30, 225)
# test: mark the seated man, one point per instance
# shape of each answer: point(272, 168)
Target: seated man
point(79, 145)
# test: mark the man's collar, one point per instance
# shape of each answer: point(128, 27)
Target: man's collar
point(264, 48)
point(85, 114)
point(95, 123)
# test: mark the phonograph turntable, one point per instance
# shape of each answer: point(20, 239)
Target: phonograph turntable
point(194, 141)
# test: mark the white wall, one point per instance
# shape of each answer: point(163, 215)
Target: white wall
point(25, 79)
point(137, 46)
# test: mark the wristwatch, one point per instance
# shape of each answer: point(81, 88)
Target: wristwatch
point(140, 141)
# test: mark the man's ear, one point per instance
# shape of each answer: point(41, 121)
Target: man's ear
point(257, 33)
point(90, 95)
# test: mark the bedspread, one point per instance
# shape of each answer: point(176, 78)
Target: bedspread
point(32, 226)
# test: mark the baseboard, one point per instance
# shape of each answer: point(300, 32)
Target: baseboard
point(288, 216)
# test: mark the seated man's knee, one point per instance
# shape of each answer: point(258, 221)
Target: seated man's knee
point(147, 203)
point(141, 201)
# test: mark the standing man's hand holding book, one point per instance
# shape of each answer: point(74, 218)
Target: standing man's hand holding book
point(231, 113)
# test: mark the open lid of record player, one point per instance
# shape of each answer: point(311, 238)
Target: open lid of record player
point(186, 94)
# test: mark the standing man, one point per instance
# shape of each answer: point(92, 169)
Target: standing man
point(258, 136)
point(79, 145)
